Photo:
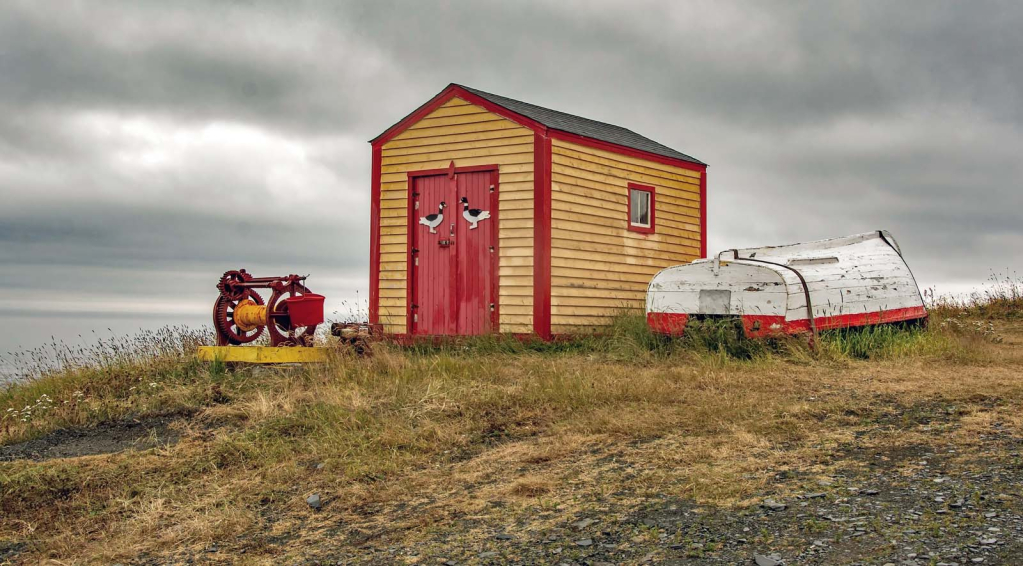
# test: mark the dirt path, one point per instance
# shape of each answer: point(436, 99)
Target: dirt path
point(105, 438)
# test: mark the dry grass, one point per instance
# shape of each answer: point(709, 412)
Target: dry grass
point(400, 444)
point(1002, 298)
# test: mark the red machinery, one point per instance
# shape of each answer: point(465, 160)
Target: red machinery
point(289, 317)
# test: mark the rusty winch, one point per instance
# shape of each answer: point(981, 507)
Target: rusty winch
point(289, 316)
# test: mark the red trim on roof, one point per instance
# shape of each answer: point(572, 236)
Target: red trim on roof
point(454, 91)
point(628, 212)
point(374, 240)
point(542, 236)
point(632, 152)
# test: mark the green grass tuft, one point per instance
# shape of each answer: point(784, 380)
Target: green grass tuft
point(883, 342)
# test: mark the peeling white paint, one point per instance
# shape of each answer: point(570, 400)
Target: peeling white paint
point(864, 273)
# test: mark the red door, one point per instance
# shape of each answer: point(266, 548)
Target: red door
point(454, 254)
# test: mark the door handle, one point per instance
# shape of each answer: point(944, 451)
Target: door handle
point(452, 229)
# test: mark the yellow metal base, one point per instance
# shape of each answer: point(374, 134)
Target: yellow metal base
point(263, 354)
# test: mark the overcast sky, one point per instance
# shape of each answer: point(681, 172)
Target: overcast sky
point(146, 147)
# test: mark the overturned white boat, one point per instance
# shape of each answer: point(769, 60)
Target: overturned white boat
point(842, 282)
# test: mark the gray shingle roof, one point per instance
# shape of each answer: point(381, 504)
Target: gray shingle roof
point(583, 126)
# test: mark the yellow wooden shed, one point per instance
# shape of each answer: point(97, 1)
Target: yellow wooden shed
point(494, 215)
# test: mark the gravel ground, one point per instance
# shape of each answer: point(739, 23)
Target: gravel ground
point(105, 438)
point(905, 505)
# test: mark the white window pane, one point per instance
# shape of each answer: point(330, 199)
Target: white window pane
point(639, 215)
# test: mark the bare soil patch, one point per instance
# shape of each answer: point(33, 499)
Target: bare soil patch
point(104, 438)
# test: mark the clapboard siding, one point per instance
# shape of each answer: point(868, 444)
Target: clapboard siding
point(468, 135)
point(598, 266)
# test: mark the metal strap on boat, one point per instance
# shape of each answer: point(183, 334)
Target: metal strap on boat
point(806, 290)
point(895, 246)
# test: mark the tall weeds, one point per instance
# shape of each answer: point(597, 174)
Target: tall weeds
point(1002, 298)
point(59, 385)
point(99, 352)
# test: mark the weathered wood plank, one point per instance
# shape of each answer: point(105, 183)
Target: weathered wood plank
point(519, 151)
point(456, 146)
point(582, 223)
point(595, 276)
point(476, 127)
point(455, 138)
point(618, 200)
point(451, 120)
point(585, 170)
point(512, 328)
point(617, 157)
point(618, 167)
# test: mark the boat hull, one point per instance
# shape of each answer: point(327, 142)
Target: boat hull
point(858, 280)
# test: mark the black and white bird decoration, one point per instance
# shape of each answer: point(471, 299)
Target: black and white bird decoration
point(434, 220)
point(473, 215)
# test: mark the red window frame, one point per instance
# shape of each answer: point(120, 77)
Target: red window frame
point(628, 213)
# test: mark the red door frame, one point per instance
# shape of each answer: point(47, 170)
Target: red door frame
point(494, 257)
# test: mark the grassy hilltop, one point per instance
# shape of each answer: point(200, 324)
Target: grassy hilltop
point(496, 451)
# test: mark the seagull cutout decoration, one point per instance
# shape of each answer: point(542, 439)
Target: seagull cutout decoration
point(473, 215)
point(434, 220)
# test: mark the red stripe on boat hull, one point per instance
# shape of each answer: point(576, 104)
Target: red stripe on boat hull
point(762, 326)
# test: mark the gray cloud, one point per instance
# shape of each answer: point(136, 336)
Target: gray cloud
point(140, 139)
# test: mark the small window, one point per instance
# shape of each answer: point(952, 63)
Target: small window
point(641, 208)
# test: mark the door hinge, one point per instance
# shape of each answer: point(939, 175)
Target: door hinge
point(491, 188)
point(492, 307)
point(416, 250)
point(414, 306)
